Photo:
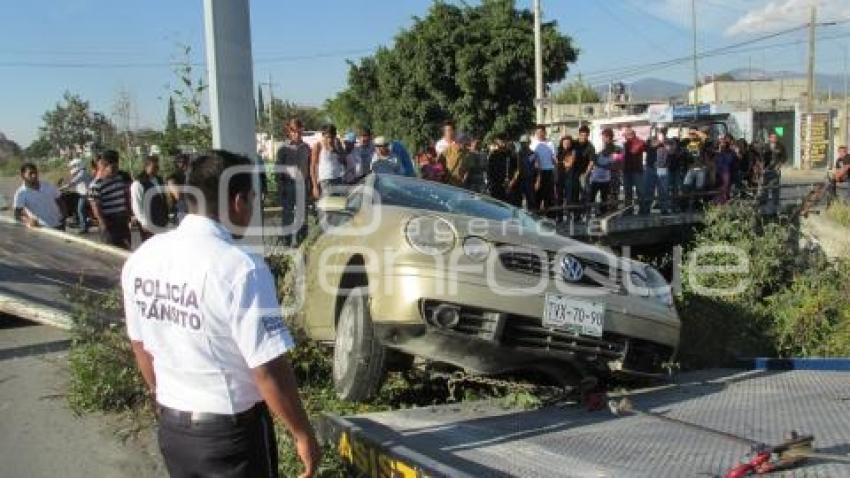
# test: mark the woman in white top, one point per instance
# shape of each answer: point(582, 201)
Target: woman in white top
point(327, 162)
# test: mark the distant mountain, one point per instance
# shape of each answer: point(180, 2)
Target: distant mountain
point(647, 89)
point(823, 82)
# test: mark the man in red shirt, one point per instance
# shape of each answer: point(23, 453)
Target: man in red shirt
point(633, 149)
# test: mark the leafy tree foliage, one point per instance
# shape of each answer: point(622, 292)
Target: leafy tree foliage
point(261, 107)
point(283, 111)
point(576, 92)
point(189, 94)
point(72, 124)
point(472, 64)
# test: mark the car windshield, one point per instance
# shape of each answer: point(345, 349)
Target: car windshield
point(420, 194)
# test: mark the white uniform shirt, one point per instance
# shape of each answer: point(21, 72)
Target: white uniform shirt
point(40, 203)
point(137, 203)
point(207, 312)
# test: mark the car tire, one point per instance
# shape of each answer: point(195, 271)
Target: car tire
point(359, 358)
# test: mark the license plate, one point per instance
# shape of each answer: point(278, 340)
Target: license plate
point(577, 316)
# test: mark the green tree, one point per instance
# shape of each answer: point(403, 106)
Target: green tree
point(171, 135)
point(576, 92)
point(171, 116)
point(283, 111)
point(70, 124)
point(472, 64)
point(40, 148)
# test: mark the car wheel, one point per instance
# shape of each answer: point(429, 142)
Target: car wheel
point(359, 359)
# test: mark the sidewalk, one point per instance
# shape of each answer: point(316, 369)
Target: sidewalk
point(39, 435)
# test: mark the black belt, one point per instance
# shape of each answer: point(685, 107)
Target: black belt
point(180, 417)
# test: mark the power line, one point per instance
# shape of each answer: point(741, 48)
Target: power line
point(123, 65)
point(631, 70)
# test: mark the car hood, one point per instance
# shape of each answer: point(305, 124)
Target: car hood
point(512, 234)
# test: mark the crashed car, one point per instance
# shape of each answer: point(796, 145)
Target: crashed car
point(408, 267)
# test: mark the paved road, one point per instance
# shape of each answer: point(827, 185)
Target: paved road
point(39, 435)
point(40, 270)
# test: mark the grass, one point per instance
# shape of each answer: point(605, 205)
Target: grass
point(840, 213)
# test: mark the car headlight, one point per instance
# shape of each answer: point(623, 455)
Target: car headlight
point(476, 248)
point(431, 235)
point(658, 286)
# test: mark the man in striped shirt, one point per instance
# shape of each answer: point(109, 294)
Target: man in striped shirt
point(109, 195)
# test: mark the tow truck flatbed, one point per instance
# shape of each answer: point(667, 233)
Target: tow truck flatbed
point(481, 439)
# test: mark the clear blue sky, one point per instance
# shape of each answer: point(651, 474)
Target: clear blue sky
point(85, 46)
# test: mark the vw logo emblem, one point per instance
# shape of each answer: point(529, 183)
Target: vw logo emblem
point(571, 269)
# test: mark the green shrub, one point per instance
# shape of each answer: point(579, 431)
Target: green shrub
point(103, 373)
point(811, 317)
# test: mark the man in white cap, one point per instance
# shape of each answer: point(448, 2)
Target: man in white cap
point(384, 162)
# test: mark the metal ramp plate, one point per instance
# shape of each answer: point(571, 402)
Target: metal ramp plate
point(479, 439)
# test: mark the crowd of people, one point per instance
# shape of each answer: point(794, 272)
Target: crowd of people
point(106, 196)
point(571, 180)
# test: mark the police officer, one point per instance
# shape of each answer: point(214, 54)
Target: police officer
point(208, 337)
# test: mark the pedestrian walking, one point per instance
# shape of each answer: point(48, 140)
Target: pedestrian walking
point(36, 202)
point(634, 150)
point(207, 334)
point(327, 163)
point(148, 200)
point(293, 183)
point(109, 199)
point(177, 207)
point(448, 140)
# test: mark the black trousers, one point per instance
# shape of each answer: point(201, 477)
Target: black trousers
point(116, 231)
point(239, 448)
point(546, 194)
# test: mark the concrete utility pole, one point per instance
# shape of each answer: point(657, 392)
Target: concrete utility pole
point(810, 87)
point(538, 62)
point(231, 75)
point(696, 66)
point(227, 26)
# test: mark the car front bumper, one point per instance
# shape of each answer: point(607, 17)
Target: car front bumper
point(501, 331)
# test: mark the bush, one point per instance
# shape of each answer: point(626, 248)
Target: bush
point(811, 317)
point(103, 373)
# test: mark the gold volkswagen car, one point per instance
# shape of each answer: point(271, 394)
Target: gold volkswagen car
point(412, 268)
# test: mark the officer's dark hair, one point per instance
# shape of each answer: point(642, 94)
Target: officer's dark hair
point(584, 129)
point(208, 170)
point(608, 133)
point(28, 167)
point(448, 123)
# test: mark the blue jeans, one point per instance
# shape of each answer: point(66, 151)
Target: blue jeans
point(633, 185)
point(290, 215)
point(82, 217)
